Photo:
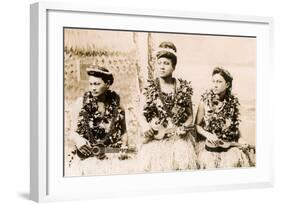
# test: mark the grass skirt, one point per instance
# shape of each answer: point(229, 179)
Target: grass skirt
point(93, 166)
point(233, 157)
point(168, 154)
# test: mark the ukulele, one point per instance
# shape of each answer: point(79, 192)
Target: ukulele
point(160, 131)
point(99, 150)
point(227, 145)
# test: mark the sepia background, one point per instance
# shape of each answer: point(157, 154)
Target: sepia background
point(130, 57)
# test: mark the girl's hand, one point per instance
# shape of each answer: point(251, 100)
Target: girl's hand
point(149, 133)
point(181, 131)
point(85, 150)
point(148, 136)
point(122, 154)
point(245, 146)
point(213, 139)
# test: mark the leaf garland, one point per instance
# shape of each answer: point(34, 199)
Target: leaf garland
point(222, 117)
point(92, 123)
point(180, 110)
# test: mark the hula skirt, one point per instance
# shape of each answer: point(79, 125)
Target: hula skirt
point(230, 158)
point(93, 166)
point(168, 154)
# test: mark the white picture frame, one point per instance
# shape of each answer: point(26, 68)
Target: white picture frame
point(46, 179)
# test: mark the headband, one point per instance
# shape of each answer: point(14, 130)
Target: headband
point(96, 69)
point(165, 50)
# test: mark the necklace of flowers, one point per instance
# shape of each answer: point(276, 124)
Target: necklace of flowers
point(91, 122)
point(169, 111)
point(182, 102)
point(222, 120)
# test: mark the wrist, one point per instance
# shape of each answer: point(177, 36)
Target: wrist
point(79, 140)
point(210, 136)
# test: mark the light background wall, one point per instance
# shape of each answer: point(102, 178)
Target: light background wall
point(14, 108)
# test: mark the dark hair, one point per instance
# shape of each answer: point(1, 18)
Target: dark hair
point(226, 76)
point(103, 73)
point(167, 54)
point(167, 44)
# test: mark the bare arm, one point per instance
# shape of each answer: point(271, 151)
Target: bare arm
point(199, 119)
point(190, 117)
point(198, 122)
point(145, 126)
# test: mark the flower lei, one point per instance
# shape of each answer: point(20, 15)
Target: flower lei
point(92, 123)
point(155, 108)
point(224, 120)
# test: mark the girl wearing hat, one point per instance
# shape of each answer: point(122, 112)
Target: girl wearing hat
point(217, 122)
point(167, 118)
point(101, 121)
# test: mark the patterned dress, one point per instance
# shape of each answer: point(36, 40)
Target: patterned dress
point(170, 110)
point(222, 118)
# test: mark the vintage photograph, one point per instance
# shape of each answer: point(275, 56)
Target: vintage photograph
point(144, 102)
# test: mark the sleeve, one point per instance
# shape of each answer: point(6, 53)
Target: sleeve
point(77, 139)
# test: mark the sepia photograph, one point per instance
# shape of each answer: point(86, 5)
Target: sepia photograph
point(148, 101)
